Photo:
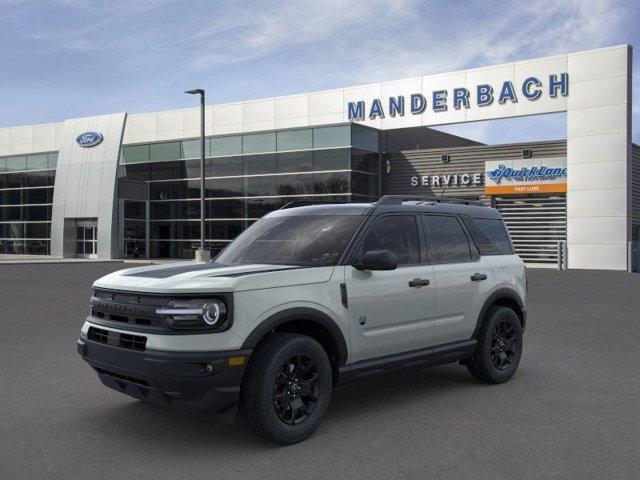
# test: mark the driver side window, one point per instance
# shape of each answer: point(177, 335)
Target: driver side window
point(398, 234)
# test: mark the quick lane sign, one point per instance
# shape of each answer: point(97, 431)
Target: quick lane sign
point(544, 175)
point(481, 95)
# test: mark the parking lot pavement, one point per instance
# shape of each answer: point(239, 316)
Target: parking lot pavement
point(571, 411)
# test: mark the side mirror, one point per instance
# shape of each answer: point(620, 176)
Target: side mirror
point(378, 260)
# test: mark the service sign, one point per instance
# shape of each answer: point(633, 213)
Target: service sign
point(522, 176)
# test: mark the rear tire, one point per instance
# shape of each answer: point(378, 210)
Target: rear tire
point(499, 348)
point(287, 388)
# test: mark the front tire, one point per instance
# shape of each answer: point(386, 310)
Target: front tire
point(287, 388)
point(499, 348)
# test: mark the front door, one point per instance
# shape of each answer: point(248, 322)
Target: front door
point(389, 312)
point(87, 239)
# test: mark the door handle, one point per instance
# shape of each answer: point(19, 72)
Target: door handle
point(477, 277)
point(418, 282)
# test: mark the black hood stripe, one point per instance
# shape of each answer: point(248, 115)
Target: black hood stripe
point(256, 272)
point(177, 270)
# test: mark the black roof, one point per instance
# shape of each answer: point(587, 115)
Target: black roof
point(392, 204)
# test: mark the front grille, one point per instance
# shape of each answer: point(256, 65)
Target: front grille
point(98, 335)
point(117, 339)
point(130, 309)
point(133, 342)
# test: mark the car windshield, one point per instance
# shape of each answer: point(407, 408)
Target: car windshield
point(310, 241)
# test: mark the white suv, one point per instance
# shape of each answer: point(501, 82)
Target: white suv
point(310, 296)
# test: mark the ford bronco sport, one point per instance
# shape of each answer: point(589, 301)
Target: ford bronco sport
point(308, 297)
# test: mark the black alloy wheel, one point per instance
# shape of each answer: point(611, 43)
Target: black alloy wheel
point(295, 392)
point(499, 346)
point(286, 388)
point(502, 344)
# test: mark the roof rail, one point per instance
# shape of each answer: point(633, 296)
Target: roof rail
point(400, 199)
point(306, 203)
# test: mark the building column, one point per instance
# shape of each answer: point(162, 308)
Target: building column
point(599, 158)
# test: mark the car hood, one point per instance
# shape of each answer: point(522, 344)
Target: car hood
point(209, 277)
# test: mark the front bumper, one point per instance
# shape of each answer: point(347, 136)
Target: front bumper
point(196, 381)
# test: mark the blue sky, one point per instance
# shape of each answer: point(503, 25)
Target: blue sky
point(73, 58)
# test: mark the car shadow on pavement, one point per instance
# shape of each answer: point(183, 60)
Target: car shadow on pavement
point(135, 422)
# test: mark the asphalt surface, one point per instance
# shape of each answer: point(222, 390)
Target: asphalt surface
point(571, 411)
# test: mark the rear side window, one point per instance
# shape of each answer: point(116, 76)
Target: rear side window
point(496, 232)
point(446, 239)
point(397, 233)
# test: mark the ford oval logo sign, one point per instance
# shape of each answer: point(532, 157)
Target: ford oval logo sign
point(89, 139)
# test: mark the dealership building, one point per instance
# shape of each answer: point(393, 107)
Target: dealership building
point(127, 185)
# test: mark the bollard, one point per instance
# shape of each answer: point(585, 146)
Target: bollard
point(560, 252)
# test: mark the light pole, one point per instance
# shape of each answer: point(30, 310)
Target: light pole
point(202, 255)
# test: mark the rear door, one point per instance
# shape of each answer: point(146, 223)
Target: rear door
point(462, 277)
point(391, 311)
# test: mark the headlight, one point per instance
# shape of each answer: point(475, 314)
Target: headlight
point(194, 314)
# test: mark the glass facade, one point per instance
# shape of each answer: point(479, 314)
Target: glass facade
point(247, 176)
point(26, 196)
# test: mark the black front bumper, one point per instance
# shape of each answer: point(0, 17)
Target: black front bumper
point(196, 381)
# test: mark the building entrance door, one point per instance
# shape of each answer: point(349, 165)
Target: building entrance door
point(87, 238)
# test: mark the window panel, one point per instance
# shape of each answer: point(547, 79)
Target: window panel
point(295, 140)
point(167, 249)
point(225, 146)
point(225, 208)
point(175, 230)
point(37, 195)
point(225, 187)
point(295, 184)
point(447, 241)
point(135, 154)
point(339, 159)
point(163, 152)
point(363, 184)
point(364, 138)
point(37, 162)
point(179, 189)
point(168, 170)
point(191, 148)
point(136, 171)
point(223, 166)
point(261, 186)
point(398, 234)
point(364, 161)
point(259, 143)
point(37, 230)
point(260, 164)
point(134, 230)
point(327, 137)
point(329, 183)
point(295, 162)
point(13, 230)
point(12, 180)
point(225, 230)
point(134, 249)
point(10, 197)
point(133, 209)
point(37, 247)
point(3, 164)
point(38, 179)
point(16, 164)
point(174, 210)
point(52, 160)
point(259, 207)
